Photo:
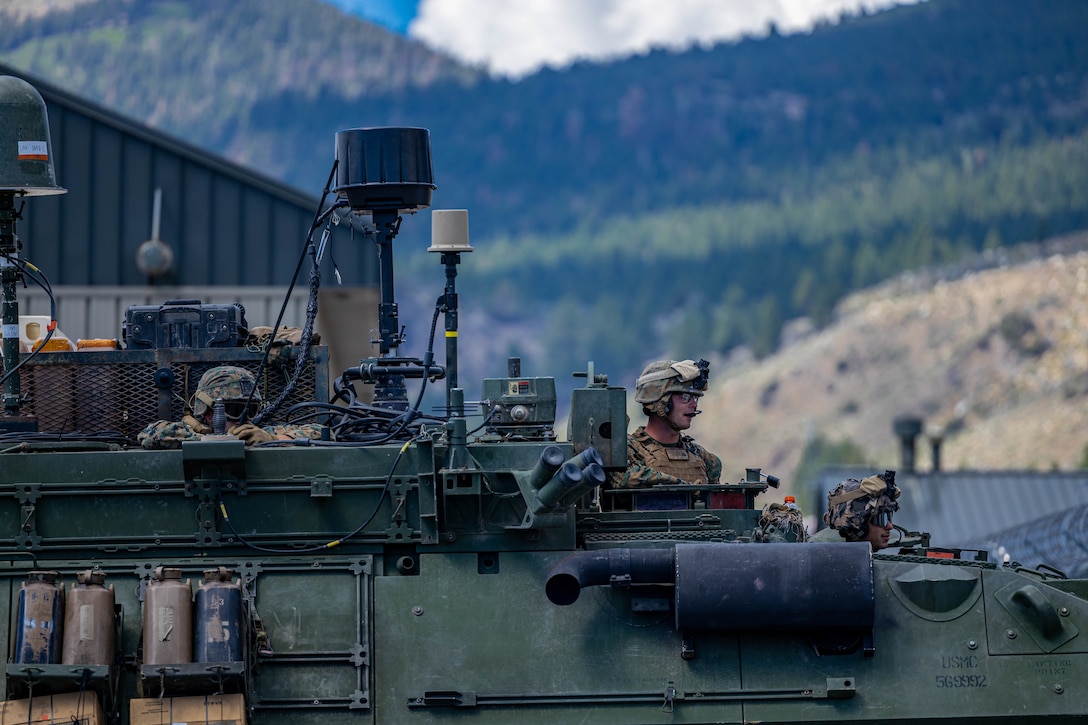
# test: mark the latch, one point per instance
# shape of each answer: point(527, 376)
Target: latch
point(222, 460)
point(321, 487)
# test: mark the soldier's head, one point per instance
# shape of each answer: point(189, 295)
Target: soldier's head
point(234, 385)
point(662, 380)
point(861, 510)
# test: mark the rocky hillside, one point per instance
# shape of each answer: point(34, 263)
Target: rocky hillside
point(994, 359)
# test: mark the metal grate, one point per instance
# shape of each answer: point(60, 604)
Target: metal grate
point(124, 390)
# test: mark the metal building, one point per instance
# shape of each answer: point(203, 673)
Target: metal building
point(226, 225)
point(1033, 517)
point(234, 234)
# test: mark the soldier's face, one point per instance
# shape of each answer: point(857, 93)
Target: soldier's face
point(683, 411)
point(878, 536)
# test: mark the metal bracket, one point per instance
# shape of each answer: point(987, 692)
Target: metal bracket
point(212, 459)
point(28, 538)
point(321, 487)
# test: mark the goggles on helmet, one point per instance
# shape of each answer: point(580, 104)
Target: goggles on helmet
point(881, 519)
point(235, 408)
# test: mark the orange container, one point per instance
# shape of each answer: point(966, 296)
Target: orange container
point(98, 344)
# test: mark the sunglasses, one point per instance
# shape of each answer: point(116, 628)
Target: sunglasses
point(687, 397)
point(881, 519)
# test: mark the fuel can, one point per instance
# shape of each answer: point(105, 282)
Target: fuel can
point(89, 628)
point(41, 616)
point(217, 636)
point(168, 618)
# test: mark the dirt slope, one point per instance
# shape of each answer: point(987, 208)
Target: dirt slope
point(996, 359)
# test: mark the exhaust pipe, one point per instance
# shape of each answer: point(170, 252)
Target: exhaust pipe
point(608, 566)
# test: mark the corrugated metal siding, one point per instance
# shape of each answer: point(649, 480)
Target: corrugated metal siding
point(97, 312)
point(226, 225)
point(984, 509)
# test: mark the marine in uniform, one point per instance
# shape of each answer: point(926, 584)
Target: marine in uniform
point(861, 510)
point(660, 452)
point(236, 387)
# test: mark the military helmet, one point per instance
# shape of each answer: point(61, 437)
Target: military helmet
point(852, 503)
point(661, 379)
point(233, 384)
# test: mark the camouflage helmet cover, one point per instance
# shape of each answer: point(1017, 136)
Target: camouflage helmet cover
point(852, 503)
point(661, 379)
point(227, 382)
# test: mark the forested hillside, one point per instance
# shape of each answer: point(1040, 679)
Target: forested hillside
point(200, 69)
point(671, 204)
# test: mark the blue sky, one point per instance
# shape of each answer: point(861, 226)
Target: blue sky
point(516, 37)
point(393, 14)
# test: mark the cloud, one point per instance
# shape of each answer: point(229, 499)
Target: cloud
point(516, 37)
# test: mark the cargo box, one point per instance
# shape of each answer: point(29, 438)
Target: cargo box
point(206, 710)
point(124, 390)
point(184, 323)
point(80, 708)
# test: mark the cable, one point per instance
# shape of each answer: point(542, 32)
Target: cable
point(105, 436)
point(307, 332)
point(490, 414)
point(354, 427)
point(331, 544)
point(42, 281)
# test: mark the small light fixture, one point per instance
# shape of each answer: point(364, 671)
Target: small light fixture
point(155, 257)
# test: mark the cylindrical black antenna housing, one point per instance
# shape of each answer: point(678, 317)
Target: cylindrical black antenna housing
point(384, 168)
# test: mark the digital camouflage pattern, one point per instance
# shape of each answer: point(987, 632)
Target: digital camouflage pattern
point(165, 435)
point(651, 463)
point(227, 382)
point(853, 502)
point(230, 383)
point(661, 379)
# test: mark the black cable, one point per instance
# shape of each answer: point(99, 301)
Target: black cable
point(304, 341)
point(105, 436)
point(490, 414)
point(319, 216)
point(331, 544)
point(42, 281)
point(349, 430)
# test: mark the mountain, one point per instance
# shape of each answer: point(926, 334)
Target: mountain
point(992, 354)
point(200, 69)
point(707, 203)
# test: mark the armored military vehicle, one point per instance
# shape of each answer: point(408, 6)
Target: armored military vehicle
point(465, 565)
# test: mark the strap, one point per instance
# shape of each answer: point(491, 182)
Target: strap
point(685, 370)
point(872, 486)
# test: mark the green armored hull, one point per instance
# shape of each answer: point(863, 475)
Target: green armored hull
point(381, 586)
point(411, 571)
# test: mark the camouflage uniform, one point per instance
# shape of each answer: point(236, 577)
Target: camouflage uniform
point(851, 505)
point(652, 463)
point(231, 384)
point(170, 434)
